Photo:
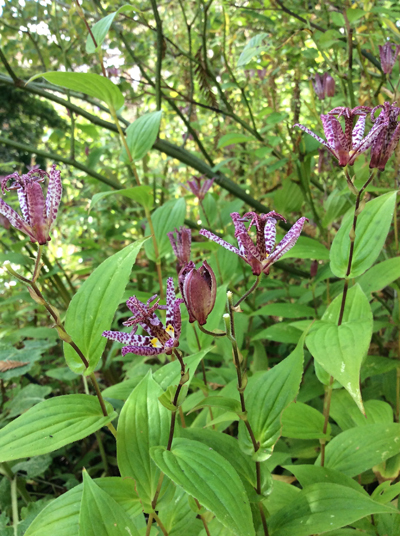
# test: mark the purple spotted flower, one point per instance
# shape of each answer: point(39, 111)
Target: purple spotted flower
point(198, 289)
point(324, 86)
point(199, 186)
point(388, 56)
point(160, 339)
point(181, 246)
point(346, 145)
point(38, 214)
point(388, 134)
point(262, 255)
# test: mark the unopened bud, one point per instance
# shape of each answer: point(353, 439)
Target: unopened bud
point(314, 268)
point(199, 290)
point(184, 378)
point(352, 234)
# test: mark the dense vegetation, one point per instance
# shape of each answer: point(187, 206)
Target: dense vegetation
point(167, 364)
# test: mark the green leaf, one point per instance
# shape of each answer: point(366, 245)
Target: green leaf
point(282, 332)
point(233, 138)
point(143, 423)
point(266, 398)
point(28, 396)
point(335, 206)
point(141, 194)
point(380, 275)
point(61, 516)
point(207, 476)
point(322, 507)
point(91, 84)
point(303, 422)
point(307, 248)
point(51, 424)
point(355, 14)
point(253, 48)
point(308, 475)
point(101, 515)
point(222, 402)
point(341, 349)
point(93, 307)
point(166, 218)
point(285, 310)
point(345, 412)
point(177, 516)
point(358, 449)
point(373, 225)
point(141, 135)
point(100, 29)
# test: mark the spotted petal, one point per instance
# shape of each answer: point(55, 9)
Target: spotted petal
point(219, 241)
point(311, 133)
point(288, 241)
point(270, 235)
point(358, 131)
point(142, 350)
point(53, 198)
point(15, 219)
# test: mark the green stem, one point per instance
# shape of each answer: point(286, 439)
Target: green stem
point(251, 289)
point(14, 505)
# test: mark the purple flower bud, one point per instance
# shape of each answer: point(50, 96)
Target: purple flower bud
point(39, 214)
point(198, 289)
point(200, 186)
point(181, 245)
point(329, 85)
point(87, 150)
point(319, 86)
point(314, 268)
point(388, 134)
point(388, 56)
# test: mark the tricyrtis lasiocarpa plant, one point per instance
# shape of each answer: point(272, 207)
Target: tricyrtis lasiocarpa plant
point(355, 247)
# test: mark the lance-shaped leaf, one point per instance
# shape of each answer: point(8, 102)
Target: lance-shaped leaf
point(144, 422)
point(373, 225)
point(341, 349)
point(141, 135)
point(211, 479)
point(93, 307)
point(141, 194)
point(51, 424)
point(266, 398)
point(100, 29)
point(91, 84)
point(101, 515)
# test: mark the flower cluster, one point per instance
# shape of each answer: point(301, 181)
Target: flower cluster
point(348, 143)
point(261, 255)
point(160, 338)
point(38, 214)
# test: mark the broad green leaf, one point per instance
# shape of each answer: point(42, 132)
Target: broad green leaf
point(266, 398)
point(170, 373)
point(141, 135)
point(358, 449)
point(373, 225)
point(91, 84)
point(166, 218)
point(308, 475)
point(26, 398)
point(335, 206)
point(29, 354)
point(341, 349)
point(374, 365)
point(289, 198)
point(51, 424)
point(322, 507)
point(282, 332)
point(233, 138)
point(93, 307)
point(61, 516)
point(100, 514)
point(143, 423)
point(100, 29)
point(222, 402)
point(355, 14)
point(253, 48)
point(211, 479)
point(380, 275)
point(307, 248)
point(177, 516)
point(285, 310)
point(141, 194)
point(283, 495)
point(345, 412)
point(303, 422)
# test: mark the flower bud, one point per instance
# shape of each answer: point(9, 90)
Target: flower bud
point(388, 56)
point(314, 268)
point(198, 289)
point(329, 85)
point(181, 246)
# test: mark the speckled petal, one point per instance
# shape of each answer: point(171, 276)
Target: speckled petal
point(311, 133)
point(142, 350)
point(220, 241)
point(54, 193)
point(15, 219)
point(270, 235)
point(358, 131)
point(288, 241)
point(126, 338)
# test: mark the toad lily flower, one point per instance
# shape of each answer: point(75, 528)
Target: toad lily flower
point(262, 255)
point(160, 339)
point(181, 246)
point(345, 145)
point(200, 186)
point(324, 86)
point(388, 56)
point(388, 134)
point(38, 214)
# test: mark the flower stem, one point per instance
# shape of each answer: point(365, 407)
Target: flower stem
point(212, 333)
point(252, 289)
point(36, 270)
